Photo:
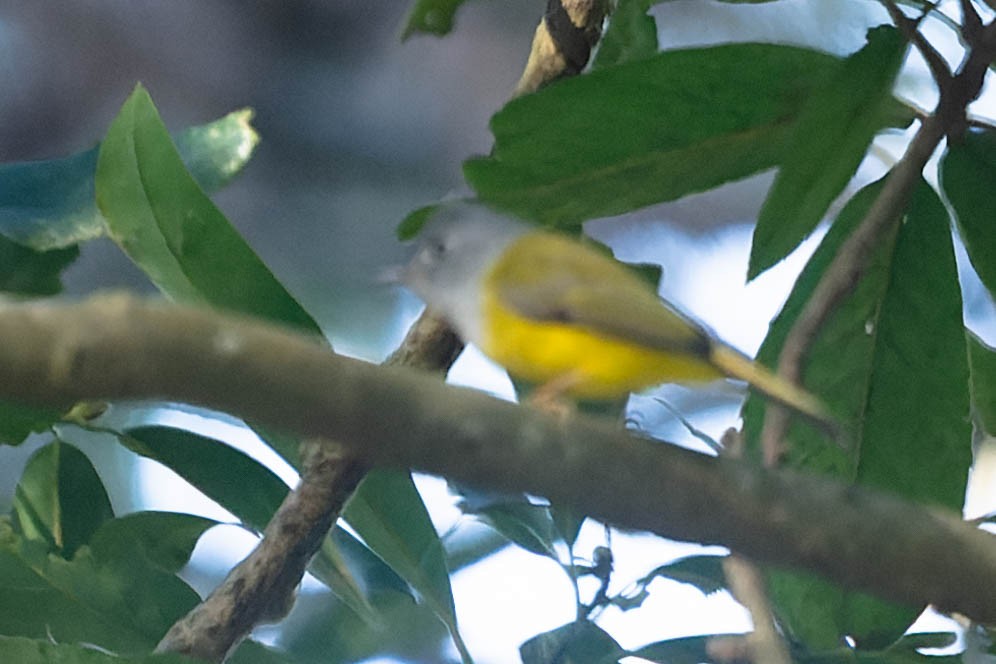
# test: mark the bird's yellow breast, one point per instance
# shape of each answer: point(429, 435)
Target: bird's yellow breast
point(594, 365)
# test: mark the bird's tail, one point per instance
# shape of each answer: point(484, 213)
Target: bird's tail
point(735, 365)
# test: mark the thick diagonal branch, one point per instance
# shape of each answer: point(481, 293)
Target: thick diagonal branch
point(120, 348)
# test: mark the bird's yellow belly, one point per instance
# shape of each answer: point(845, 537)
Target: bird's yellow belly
point(593, 366)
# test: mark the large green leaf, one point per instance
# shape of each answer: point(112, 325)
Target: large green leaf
point(830, 139)
point(388, 513)
point(916, 439)
point(163, 220)
point(968, 176)
point(434, 17)
point(50, 204)
point(982, 362)
point(891, 362)
point(647, 131)
point(631, 35)
point(60, 500)
point(20, 650)
point(119, 593)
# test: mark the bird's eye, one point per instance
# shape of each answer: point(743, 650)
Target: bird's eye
point(437, 248)
point(431, 252)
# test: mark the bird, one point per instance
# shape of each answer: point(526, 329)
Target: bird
point(561, 314)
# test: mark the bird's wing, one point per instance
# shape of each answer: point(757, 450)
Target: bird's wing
point(556, 279)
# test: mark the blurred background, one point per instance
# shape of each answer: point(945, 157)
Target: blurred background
point(358, 128)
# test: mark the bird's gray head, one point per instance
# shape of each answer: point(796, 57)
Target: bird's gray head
point(456, 248)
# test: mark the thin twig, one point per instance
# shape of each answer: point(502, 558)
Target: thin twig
point(910, 29)
point(765, 644)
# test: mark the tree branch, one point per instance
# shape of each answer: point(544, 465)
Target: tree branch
point(261, 589)
point(117, 347)
point(910, 29)
point(563, 42)
point(764, 644)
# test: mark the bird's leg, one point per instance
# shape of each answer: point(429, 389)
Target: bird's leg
point(551, 396)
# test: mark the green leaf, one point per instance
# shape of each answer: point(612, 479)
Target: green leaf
point(891, 363)
point(327, 635)
point(27, 271)
point(388, 513)
point(839, 365)
point(158, 540)
point(60, 500)
point(222, 473)
point(115, 595)
point(647, 131)
point(829, 141)
point(216, 152)
point(523, 523)
point(703, 572)
point(50, 204)
point(918, 401)
point(166, 224)
point(21, 650)
point(968, 177)
point(568, 522)
point(631, 35)
point(918, 640)
point(433, 17)
point(17, 421)
point(982, 362)
point(219, 471)
point(412, 224)
point(579, 642)
point(377, 576)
